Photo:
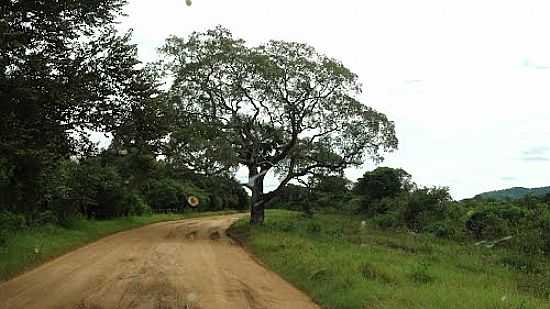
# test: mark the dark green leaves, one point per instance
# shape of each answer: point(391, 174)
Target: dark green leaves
point(281, 105)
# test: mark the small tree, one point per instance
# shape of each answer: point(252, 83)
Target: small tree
point(331, 184)
point(281, 107)
point(383, 182)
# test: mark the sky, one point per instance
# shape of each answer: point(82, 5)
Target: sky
point(467, 83)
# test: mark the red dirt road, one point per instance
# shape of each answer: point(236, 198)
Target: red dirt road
point(186, 264)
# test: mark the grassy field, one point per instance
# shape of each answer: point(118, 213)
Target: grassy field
point(343, 264)
point(32, 247)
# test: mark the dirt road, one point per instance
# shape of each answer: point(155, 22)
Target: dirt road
point(182, 264)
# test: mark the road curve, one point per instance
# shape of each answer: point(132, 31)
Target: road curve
point(187, 264)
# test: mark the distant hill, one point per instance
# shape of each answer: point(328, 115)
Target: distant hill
point(514, 193)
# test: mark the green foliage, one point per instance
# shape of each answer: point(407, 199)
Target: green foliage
point(165, 194)
point(344, 265)
point(429, 210)
point(522, 225)
point(9, 224)
point(533, 233)
point(134, 205)
point(294, 197)
point(141, 208)
point(65, 71)
point(382, 182)
point(224, 192)
point(419, 210)
point(495, 220)
point(332, 184)
point(387, 220)
point(425, 206)
point(441, 229)
point(98, 191)
point(281, 107)
point(6, 174)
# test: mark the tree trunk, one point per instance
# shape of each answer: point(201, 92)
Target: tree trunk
point(257, 202)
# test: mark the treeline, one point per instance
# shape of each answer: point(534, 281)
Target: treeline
point(65, 73)
point(115, 184)
point(388, 198)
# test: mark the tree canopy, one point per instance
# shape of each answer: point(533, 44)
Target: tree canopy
point(281, 106)
point(383, 182)
point(64, 71)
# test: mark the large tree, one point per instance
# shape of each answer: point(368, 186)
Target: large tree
point(281, 107)
point(64, 72)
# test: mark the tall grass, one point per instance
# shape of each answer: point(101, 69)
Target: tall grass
point(343, 264)
point(29, 248)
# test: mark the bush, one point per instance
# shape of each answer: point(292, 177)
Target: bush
point(424, 206)
point(62, 211)
point(96, 191)
point(534, 236)
point(495, 220)
point(389, 220)
point(381, 207)
point(134, 205)
point(141, 208)
point(440, 229)
point(45, 217)
point(9, 224)
point(164, 194)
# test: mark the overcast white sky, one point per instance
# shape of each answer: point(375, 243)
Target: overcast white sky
point(466, 82)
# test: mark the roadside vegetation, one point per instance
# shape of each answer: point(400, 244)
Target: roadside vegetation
point(342, 263)
point(28, 248)
point(385, 242)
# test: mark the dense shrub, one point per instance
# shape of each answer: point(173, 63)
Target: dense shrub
point(425, 206)
point(383, 206)
point(141, 208)
point(387, 220)
point(441, 229)
point(533, 236)
point(10, 223)
point(134, 205)
point(165, 194)
point(495, 220)
point(6, 173)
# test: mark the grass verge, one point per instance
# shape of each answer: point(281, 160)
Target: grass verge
point(30, 248)
point(342, 264)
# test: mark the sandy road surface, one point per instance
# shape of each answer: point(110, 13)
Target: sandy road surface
point(182, 264)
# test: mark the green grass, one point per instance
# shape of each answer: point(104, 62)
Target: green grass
point(343, 265)
point(32, 247)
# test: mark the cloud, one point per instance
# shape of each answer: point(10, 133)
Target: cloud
point(530, 65)
point(536, 159)
point(413, 81)
point(537, 151)
point(508, 178)
point(536, 154)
